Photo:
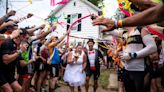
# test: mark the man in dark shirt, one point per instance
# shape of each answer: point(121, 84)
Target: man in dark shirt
point(93, 65)
point(9, 56)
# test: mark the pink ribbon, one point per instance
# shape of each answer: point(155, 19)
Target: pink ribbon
point(71, 26)
point(63, 2)
point(52, 3)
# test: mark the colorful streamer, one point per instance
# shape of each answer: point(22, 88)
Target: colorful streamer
point(63, 2)
point(154, 32)
point(124, 6)
point(52, 2)
point(74, 23)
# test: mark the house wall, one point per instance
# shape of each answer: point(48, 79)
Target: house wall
point(87, 29)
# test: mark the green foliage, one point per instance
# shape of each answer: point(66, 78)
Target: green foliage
point(103, 80)
point(96, 2)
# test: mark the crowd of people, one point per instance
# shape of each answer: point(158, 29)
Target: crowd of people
point(141, 54)
point(29, 60)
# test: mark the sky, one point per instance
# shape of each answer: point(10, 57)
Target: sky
point(41, 9)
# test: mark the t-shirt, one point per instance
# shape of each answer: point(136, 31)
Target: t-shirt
point(8, 47)
point(45, 53)
point(23, 70)
point(56, 57)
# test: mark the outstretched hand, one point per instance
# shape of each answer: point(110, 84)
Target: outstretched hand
point(29, 15)
point(11, 13)
point(42, 26)
point(108, 23)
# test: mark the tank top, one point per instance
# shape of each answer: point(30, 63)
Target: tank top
point(134, 43)
point(56, 57)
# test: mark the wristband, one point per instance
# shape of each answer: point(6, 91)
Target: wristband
point(119, 23)
point(133, 55)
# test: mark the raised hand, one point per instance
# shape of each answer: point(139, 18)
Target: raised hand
point(108, 23)
point(33, 26)
point(11, 13)
point(42, 26)
point(29, 15)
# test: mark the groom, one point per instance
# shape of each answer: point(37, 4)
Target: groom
point(93, 64)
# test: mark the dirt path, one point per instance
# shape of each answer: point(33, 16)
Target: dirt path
point(111, 87)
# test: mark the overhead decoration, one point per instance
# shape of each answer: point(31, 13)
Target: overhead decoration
point(124, 6)
point(53, 18)
point(73, 24)
point(55, 2)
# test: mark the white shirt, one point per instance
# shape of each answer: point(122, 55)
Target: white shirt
point(134, 64)
point(92, 56)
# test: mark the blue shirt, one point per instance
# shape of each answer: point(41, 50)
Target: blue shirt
point(56, 57)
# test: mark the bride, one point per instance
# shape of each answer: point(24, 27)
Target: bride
point(74, 74)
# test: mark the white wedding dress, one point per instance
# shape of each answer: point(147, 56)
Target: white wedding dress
point(73, 73)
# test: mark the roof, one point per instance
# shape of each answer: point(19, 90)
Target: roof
point(59, 7)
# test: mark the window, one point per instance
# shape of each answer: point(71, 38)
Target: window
point(71, 19)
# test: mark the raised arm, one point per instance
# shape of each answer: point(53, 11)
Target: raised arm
point(150, 16)
point(44, 34)
point(31, 31)
point(143, 4)
point(8, 58)
point(52, 44)
point(4, 25)
point(4, 18)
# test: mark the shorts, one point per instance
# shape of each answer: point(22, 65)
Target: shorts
point(47, 67)
point(64, 64)
point(95, 74)
point(6, 77)
point(110, 59)
point(26, 76)
point(54, 70)
point(156, 71)
point(39, 65)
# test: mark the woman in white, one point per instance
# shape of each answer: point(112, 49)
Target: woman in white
point(74, 73)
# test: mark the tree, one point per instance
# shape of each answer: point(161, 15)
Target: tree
point(96, 2)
